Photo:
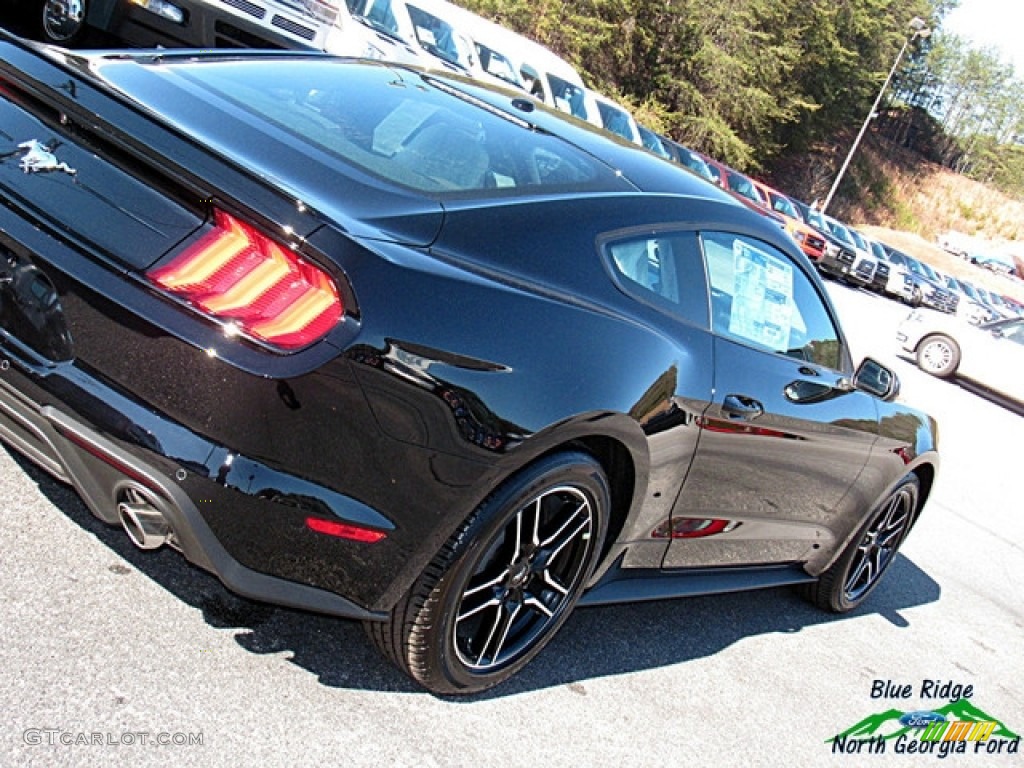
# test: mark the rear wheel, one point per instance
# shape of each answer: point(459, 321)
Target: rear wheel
point(938, 355)
point(505, 582)
point(869, 554)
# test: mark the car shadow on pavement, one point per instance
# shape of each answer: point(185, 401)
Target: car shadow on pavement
point(595, 642)
point(974, 389)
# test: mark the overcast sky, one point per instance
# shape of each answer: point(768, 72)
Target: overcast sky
point(992, 23)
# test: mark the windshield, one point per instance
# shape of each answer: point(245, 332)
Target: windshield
point(651, 141)
point(968, 288)
point(695, 163)
point(378, 14)
point(741, 185)
point(782, 204)
point(568, 97)
point(858, 240)
point(840, 231)
point(915, 266)
point(495, 64)
point(438, 37)
point(616, 120)
point(816, 220)
point(929, 272)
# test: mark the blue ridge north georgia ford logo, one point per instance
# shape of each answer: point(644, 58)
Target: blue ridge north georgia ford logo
point(956, 727)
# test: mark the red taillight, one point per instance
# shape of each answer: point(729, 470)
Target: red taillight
point(235, 273)
point(693, 527)
point(344, 530)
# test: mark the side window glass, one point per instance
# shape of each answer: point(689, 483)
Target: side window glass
point(665, 270)
point(759, 297)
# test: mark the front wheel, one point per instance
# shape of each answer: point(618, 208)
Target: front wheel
point(938, 355)
point(61, 22)
point(854, 576)
point(505, 582)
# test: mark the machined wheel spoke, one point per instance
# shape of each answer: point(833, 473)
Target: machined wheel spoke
point(537, 604)
point(567, 533)
point(487, 584)
point(526, 577)
point(492, 646)
point(889, 538)
point(463, 615)
point(864, 566)
point(552, 582)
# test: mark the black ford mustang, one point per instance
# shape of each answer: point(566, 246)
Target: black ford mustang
point(396, 347)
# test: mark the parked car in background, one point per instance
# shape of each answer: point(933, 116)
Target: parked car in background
point(494, 46)
point(969, 306)
point(993, 262)
point(652, 141)
point(1013, 304)
point(810, 241)
point(990, 355)
point(958, 243)
point(742, 188)
point(399, 346)
point(861, 269)
point(422, 26)
point(616, 119)
point(927, 289)
point(688, 158)
point(880, 280)
point(836, 252)
point(899, 283)
point(275, 24)
point(995, 301)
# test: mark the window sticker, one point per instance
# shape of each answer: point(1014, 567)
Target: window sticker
point(762, 302)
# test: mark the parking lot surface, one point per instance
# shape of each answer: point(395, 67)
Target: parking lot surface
point(112, 656)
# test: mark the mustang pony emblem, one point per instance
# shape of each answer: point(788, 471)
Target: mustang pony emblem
point(40, 158)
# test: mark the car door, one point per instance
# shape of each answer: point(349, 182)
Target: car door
point(785, 436)
point(994, 357)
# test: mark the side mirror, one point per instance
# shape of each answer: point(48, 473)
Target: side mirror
point(875, 379)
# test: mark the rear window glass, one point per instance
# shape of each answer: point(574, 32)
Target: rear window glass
point(410, 129)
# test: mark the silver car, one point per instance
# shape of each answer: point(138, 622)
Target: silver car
point(991, 355)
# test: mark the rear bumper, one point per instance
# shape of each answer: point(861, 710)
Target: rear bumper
point(103, 472)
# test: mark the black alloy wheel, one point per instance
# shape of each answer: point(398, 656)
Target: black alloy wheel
point(505, 582)
point(849, 581)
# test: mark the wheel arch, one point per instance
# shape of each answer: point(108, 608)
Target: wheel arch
point(925, 473)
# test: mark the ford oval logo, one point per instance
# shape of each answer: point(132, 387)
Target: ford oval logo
point(921, 718)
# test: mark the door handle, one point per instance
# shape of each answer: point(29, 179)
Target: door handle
point(741, 407)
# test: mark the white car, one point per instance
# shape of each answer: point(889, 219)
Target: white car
point(616, 119)
point(991, 355)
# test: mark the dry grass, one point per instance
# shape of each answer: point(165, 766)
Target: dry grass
point(900, 188)
point(907, 202)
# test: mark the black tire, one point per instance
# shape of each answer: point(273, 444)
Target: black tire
point(854, 576)
point(505, 582)
point(916, 296)
point(60, 22)
point(938, 355)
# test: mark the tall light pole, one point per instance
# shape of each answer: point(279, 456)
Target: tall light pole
point(920, 30)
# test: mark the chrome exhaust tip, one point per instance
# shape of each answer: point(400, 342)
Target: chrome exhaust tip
point(144, 524)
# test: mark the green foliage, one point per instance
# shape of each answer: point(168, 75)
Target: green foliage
point(744, 80)
point(750, 81)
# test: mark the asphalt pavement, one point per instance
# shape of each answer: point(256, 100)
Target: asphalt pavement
point(111, 656)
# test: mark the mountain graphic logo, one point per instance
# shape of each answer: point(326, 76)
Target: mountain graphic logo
point(886, 725)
